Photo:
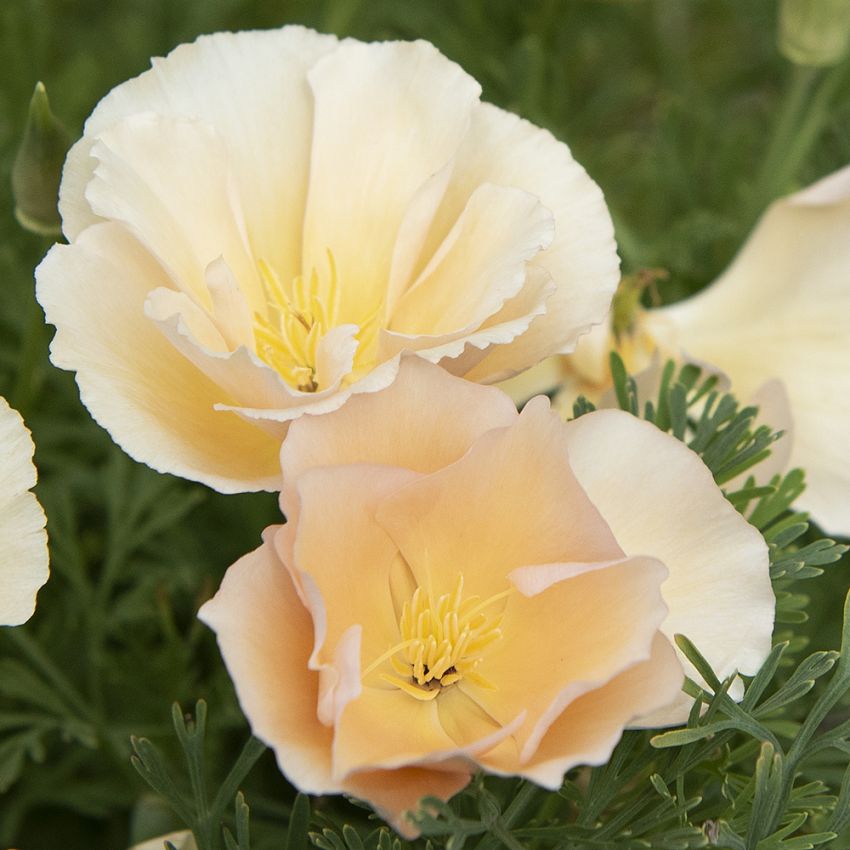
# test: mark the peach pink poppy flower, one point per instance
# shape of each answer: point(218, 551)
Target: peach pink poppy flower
point(260, 223)
point(461, 587)
point(23, 540)
point(775, 323)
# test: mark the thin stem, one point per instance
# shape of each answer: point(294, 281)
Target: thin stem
point(512, 813)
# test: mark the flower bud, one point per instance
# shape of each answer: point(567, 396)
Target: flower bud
point(814, 32)
point(38, 168)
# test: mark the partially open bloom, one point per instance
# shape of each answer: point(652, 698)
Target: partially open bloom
point(776, 324)
point(260, 223)
point(459, 586)
point(23, 540)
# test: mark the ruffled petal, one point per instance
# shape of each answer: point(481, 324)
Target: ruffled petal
point(252, 87)
point(157, 405)
point(582, 260)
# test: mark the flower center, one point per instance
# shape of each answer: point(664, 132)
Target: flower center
point(442, 641)
point(298, 315)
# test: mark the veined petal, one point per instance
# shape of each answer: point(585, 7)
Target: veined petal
point(23, 540)
point(252, 87)
point(480, 265)
point(183, 208)
point(387, 117)
point(158, 405)
point(503, 149)
point(718, 591)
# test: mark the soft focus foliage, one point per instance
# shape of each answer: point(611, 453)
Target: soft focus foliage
point(676, 109)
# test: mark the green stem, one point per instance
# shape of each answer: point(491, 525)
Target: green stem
point(804, 112)
point(24, 390)
point(512, 813)
point(249, 756)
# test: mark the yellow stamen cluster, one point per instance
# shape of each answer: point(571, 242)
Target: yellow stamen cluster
point(297, 316)
point(442, 641)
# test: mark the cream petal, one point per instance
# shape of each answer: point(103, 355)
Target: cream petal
point(164, 304)
point(413, 231)
point(239, 374)
point(423, 421)
point(158, 406)
point(387, 117)
point(570, 638)
point(480, 265)
point(23, 540)
point(335, 355)
point(479, 516)
point(461, 351)
point(775, 313)
point(184, 207)
point(503, 149)
point(590, 727)
point(543, 378)
point(230, 311)
point(252, 87)
point(266, 637)
point(715, 558)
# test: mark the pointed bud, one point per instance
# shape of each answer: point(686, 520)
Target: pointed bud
point(38, 168)
point(814, 32)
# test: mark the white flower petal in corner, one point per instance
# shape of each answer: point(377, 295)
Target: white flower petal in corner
point(294, 212)
point(23, 540)
point(781, 311)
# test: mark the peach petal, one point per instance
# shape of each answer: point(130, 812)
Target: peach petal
point(265, 636)
point(414, 423)
point(590, 727)
point(479, 517)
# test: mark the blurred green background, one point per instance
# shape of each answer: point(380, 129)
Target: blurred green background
point(671, 105)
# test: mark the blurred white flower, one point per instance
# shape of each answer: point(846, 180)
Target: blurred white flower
point(776, 323)
point(260, 223)
point(23, 540)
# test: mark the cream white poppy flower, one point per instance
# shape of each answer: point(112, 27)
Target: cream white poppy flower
point(23, 540)
point(260, 223)
point(776, 323)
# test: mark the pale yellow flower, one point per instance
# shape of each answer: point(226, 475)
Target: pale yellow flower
point(260, 223)
point(776, 324)
point(23, 540)
point(459, 586)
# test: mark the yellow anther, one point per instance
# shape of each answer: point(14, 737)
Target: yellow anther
point(442, 641)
